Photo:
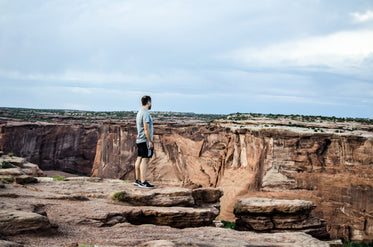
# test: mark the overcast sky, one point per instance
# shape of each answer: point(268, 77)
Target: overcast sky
point(310, 57)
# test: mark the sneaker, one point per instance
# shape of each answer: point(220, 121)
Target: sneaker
point(146, 185)
point(137, 182)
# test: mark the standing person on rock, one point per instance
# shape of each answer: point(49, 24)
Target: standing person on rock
point(144, 142)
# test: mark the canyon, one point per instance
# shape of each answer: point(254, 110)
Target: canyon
point(256, 158)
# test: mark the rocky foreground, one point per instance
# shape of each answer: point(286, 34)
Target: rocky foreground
point(86, 211)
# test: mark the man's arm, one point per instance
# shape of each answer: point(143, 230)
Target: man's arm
point(147, 134)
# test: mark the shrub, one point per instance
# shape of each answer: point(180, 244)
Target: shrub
point(356, 244)
point(228, 224)
point(10, 154)
point(7, 180)
point(120, 197)
point(6, 165)
point(58, 178)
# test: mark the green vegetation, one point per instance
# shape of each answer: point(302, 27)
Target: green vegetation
point(74, 116)
point(10, 154)
point(304, 118)
point(228, 224)
point(83, 117)
point(356, 244)
point(7, 179)
point(58, 178)
point(6, 165)
point(120, 197)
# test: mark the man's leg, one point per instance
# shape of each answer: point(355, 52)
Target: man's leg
point(143, 168)
point(137, 168)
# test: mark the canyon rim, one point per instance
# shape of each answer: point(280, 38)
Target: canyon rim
point(258, 157)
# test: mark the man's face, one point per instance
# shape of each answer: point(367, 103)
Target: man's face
point(150, 105)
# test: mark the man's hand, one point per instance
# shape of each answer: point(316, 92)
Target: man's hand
point(147, 134)
point(151, 146)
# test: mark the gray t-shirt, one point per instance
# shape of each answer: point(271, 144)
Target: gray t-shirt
point(143, 116)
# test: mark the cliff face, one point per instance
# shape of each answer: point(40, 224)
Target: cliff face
point(65, 147)
point(332, 170)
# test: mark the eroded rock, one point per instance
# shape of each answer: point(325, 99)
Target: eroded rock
point(207, 195)
point(272, 206)
point(179, 217)
point(11, 172)
point(4, 243)
point(166, 197)
point(270, 215)
point(25, 179)
point(14, 222)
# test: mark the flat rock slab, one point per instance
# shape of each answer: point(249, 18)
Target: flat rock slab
point(14, 221)
point(17, 161)
point(269, 215)
point(169, 196)
point(178, 217)
point(164, 197)
point(249, 206)
point(11, 172)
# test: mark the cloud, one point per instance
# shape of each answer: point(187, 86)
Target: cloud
point(360, 18)
point(80, 90)
point(104, 55)
point(346, 51)
point(73, 106)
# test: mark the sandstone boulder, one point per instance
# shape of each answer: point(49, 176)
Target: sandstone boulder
point(17, 161)
point(271, 206)
point(269, 215)
point(11, 172)
point(178, 217)
point(4, 243)
point(207, 195)
point(32, 170)
point(163, 197)
point(14, 222)
point(25, 179)
point(170, 196)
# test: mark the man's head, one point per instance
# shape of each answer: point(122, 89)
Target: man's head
point(146, 102)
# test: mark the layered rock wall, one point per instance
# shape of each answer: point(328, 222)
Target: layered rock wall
point(332, 170)
point(65, 147)
point(270, 215)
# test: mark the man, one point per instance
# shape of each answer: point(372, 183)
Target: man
point(144, 142)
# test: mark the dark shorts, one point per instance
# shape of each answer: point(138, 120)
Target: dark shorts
point(143, 151)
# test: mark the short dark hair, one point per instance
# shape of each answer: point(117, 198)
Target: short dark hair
point(145, 99)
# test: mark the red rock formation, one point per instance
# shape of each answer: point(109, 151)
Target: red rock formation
point(271, 215)
point(65, 147)
point(332, 170)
